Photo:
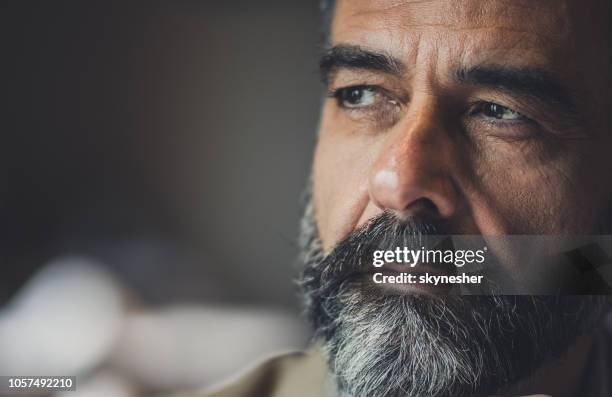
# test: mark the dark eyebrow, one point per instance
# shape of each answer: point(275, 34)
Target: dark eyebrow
point(535, 83)
point(356, 57)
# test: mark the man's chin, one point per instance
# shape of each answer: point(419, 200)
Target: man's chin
point(394, 345)
point(417, 345)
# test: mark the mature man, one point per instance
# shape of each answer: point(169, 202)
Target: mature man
point(453, 117)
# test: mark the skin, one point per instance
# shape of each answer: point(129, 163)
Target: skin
point(482, 178)
point(424, 146)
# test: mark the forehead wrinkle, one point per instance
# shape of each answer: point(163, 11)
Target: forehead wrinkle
point(523, 38)
point(549, 24)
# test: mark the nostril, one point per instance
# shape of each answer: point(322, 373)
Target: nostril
point(424, 206)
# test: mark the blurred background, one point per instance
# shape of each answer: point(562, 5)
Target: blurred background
point(154, 154)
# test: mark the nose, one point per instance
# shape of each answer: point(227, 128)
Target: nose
point(413, 175)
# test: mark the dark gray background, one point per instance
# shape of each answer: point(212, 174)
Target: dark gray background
point(170, 139)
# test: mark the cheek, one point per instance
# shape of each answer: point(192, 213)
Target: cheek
point(340, 170)
point(534, 194)
point(324, 189)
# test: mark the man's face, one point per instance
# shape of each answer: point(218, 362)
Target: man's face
point(454, 117)
point(492, 117)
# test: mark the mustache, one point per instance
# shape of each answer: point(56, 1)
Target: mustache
point(532, 271)
point(354, 254)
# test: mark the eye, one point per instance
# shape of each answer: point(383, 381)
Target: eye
point(499, 112)
point(501, 121)
point(370, 106)
point(357, 97)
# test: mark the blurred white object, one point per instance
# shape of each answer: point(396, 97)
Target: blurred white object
point(62, 322)
point(198, 345)
point(70, 319)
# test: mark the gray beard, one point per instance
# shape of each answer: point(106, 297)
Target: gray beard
point(417, 346)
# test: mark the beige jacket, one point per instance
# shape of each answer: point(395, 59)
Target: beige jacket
point(299, 374)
